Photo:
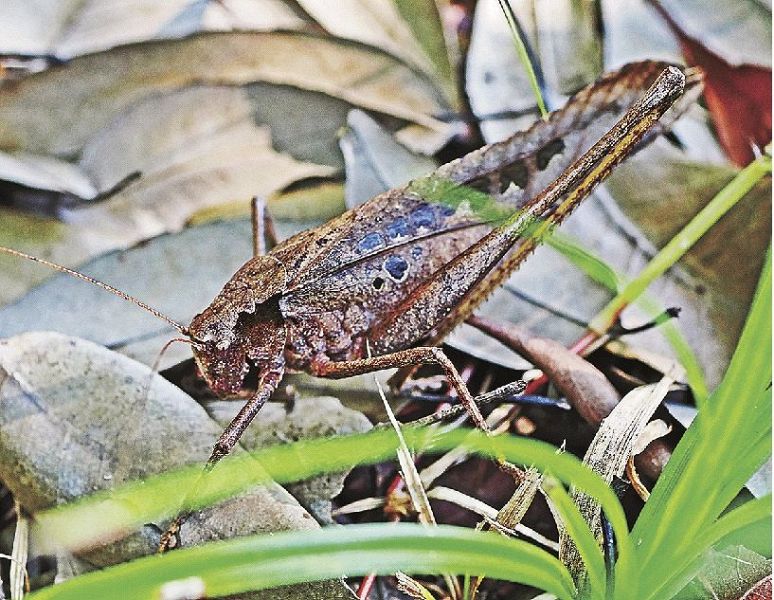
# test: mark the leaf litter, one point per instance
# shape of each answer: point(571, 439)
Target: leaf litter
point(109, 172)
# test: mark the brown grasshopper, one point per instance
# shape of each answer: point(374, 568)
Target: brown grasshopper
point(395, 275)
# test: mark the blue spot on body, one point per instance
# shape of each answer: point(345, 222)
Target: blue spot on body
point(396, 266)
point(423, 216)
point(416, 252)
point(370, 242)
point(446, 210)
point(398, 228)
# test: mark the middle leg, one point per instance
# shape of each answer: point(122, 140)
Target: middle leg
point(405, 358)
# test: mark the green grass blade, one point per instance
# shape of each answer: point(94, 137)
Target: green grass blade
point(521, 50)
point(584, 539)
point(600, 272)
point(592, 266)
point(687, 237)
point(685, 501)
point(754, 511)
point(681, 347)
point(107, 515)
point(262, 562)
point(751, 513)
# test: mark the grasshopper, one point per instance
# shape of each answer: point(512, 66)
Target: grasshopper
point(381, 285)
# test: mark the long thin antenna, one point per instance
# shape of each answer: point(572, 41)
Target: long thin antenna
point(109, 288)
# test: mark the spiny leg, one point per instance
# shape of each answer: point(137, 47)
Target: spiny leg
point(264, 235)
point(225, 444)
point(230, 436)
point(502, 393)
point(414, 356)
point(404, 358)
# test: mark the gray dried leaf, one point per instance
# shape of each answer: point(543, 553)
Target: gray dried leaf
point(45, 173)
point(375, 161)
point(70, 28)
point(652, 431)
point(739, 32)
point(607, 456)
point(374, 22)
point(569, 44)
point(634, 31)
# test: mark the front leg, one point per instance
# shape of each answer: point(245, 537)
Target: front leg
point(230, 436)
point(225, 444)
point(405, 358)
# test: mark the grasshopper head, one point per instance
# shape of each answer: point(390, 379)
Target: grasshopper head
point(242, 326)
point(224, 370)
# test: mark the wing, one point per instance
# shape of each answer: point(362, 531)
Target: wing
point(364, 266)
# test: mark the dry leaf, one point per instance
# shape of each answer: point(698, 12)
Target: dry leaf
point(375, 162)
point(607, 456)
point(584, 386)
point(738, 31)
point(737, 95)
point(95, 413)
point(66, 29)
point(83, 95)
point(199, 162)
point(374, 22)
point(45, 173)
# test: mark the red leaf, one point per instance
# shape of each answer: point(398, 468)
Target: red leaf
point(738, 97)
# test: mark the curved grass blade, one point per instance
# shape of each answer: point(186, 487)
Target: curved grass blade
point(261, 562)
point(592, 266)
point(685, 502)
point(106, 516)
point(585, 543)
point(751, 513)
point(524, 58)
point(600, 272)
point(685, 239)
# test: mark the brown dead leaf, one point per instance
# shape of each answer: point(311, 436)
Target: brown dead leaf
point(585, 387)
point(70, 28)
point(81, 97)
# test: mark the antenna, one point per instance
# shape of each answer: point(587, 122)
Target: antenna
point(109, 288)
